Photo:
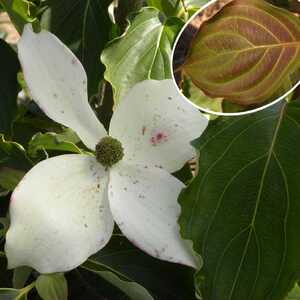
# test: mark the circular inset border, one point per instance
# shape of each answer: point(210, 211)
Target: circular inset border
point(208, 110)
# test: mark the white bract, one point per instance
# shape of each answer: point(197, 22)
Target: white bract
point(64, 209)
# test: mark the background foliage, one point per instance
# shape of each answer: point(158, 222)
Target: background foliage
point(241, 210)
point(120, 271)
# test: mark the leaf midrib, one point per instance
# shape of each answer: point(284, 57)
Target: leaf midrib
point(157, 47)
point(292, 59)
point(266, 167)
point(254, 48)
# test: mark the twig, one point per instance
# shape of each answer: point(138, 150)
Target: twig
point(183, 5)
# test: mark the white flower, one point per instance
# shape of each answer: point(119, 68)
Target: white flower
point(64, 209)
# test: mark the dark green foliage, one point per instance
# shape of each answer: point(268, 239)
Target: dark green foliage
point(241, 211)
point(9, 87)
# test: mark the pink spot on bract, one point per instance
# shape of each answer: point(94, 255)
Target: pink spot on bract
point(158, 137)
point(74, 61)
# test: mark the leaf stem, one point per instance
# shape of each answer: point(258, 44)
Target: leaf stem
point(183, 5)
point(177, 4)
point(25, 290)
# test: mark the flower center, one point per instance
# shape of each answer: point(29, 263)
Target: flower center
point(109, 151)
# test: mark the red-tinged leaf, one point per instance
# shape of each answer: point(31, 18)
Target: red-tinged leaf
point(248, 53)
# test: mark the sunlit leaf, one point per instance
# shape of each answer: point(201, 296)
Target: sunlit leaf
point(242, 210)
point(20, 12)
point(176, 7)
point(294, 294)
point(143, 52)
point(65, 141)
point(52, 287)
point(169, 7)
point(248, 53)
point(201, 100)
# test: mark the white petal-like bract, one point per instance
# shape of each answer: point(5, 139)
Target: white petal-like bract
point(144, 204)
point(59, 214)
point(156, 125)
point(57, 82)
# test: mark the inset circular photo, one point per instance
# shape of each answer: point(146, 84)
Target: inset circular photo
point(238, 56)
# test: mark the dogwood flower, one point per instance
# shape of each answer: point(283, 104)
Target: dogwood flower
point(64, 208)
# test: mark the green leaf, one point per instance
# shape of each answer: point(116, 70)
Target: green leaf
point(13, 294)
point(13, 164)
point(143, 52)
point(84, 26)
point(52, 287)
point(8, 87)
point(200, 99)
point(166, 6)
point(294, 294)
point(30, 121)
point(195, 3)
point(131, 289)
point(9, 178)
point(20, 12)
point(4, 224)
point(242, 210)
point(138, 275)
point(248, 53)
point(13, 155)
point(176, 7)
point(8, 294)
point(21, 276)
point(64, 141)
